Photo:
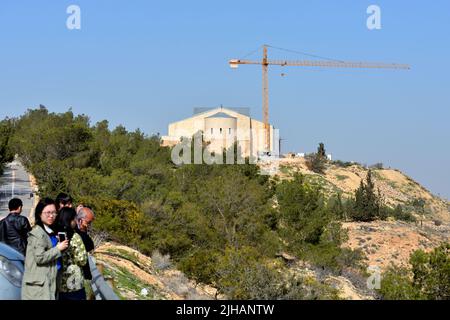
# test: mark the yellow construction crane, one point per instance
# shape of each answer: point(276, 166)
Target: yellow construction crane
point(265, 62)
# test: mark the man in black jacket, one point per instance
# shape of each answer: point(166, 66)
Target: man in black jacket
point(16, 227)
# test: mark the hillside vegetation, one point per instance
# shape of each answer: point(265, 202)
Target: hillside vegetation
point(224, 226)
point(396, 188)
point(6, 128)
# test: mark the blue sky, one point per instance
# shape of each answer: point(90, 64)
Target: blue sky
point(145, 64)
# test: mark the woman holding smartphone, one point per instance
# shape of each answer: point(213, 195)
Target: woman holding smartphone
point(71, 284)
point(43, 252)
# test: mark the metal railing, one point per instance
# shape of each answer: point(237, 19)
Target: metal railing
point(102, 290)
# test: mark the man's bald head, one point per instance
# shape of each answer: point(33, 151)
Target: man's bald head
point(85, 216)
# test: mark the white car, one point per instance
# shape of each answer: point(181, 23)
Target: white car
point(11, 273)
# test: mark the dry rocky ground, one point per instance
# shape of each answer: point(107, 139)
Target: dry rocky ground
point(392, 242)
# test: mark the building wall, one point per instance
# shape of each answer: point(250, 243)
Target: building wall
point(249, 133)
point(221, 132)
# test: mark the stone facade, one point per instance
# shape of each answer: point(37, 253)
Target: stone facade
point(221, 127)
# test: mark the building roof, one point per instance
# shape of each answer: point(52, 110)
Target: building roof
point(243, 111)
point(220, 112)
point(221, 115)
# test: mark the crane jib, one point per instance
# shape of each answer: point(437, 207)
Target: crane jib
point(329, 64)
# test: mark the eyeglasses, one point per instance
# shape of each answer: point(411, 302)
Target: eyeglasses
point(50, 213)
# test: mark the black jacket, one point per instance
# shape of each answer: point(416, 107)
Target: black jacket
point(89, 245)
point(17, 228)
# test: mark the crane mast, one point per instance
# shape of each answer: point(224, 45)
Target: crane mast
point(265, 102)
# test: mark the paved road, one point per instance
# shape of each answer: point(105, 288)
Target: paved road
point(15, 183)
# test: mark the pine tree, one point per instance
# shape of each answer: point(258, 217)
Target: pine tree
point(316, 161)
point(321, 150)
point(368, 204)
point(337, 207)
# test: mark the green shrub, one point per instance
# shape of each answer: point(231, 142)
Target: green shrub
point(201, 265)
point(302, 210)
point(378, 166)
point(245, 276)
point(429, 277)
point(396, 285)
point(122, 220)
point(432, 272)
point(400, 214)
point(343, 164)
point(316, 163)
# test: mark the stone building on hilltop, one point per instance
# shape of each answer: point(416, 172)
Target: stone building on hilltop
point(221, 128)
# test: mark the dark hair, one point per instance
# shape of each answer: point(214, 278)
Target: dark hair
point(15, 204)
point(63, 198)
point(39, 208)
point(65, 217)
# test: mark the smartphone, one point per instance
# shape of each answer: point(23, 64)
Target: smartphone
point(62, 236)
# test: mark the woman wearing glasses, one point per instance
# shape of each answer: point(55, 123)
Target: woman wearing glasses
point(42, 260)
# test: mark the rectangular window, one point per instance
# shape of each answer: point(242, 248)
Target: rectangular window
point(229, 130)
point(212, 130)
point(220, 130)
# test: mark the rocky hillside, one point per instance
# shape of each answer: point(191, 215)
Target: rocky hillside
point(395, 186)
point(392, 242)
point(382, 242)
point(134, 276)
